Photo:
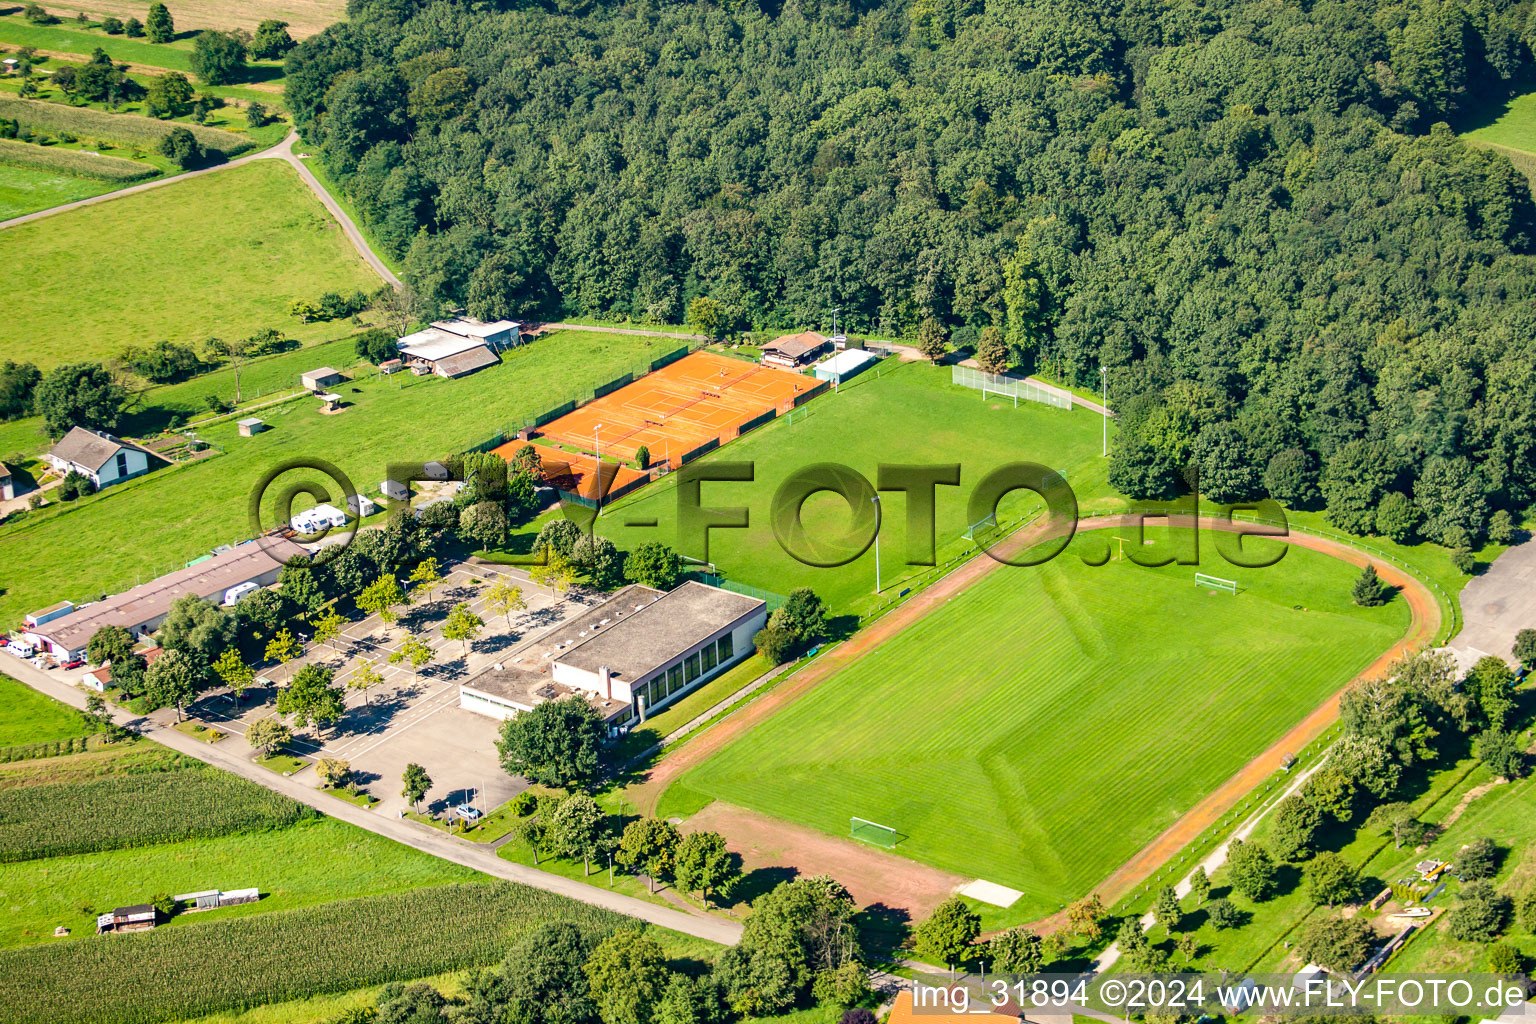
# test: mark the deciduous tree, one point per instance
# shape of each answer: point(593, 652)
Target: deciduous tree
point(558, 743)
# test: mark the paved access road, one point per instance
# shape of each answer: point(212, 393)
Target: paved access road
point(438, 844)
point(282, 151)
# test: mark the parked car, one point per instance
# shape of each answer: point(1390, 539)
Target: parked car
point(75, 663)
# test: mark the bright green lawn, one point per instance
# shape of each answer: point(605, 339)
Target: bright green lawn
point(158, 522)
point(1511, 124)
point(220, 255)
point(26, 716)
point(911, 414)
point(308, 863)
point(25, 189)
point(1047, 723)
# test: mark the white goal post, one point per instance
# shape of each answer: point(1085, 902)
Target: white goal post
point(1215, 583)
point(873, 832)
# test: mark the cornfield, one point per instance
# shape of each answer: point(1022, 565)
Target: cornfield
point(73, 161)
point(119, 811)
point(178, 973)
point(125, 129)
point(53, 748)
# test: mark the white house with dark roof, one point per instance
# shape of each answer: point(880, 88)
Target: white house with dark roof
point(630, 656)
point(96, 454)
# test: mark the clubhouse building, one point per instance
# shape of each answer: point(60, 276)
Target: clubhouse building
point(630, 656)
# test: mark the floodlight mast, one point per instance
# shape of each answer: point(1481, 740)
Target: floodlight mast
point(1104, 409)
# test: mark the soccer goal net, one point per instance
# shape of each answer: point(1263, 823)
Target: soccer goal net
point(867, 831)
point(1215, 583)
point(981, 527)
point(1010, 387)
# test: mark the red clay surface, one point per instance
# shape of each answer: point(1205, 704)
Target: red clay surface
point(811, 858)
point(574, 473)
point(871, 875)
point(673, 410)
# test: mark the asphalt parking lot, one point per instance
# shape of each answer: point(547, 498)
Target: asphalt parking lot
point(411, 717)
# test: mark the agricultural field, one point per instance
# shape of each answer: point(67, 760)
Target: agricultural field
point(221, 255)
point(125, 810)
point(1038, 729)
point(911, 413)
point(304, 17)
point(100, 171)
point(178, 513)
point(124, 130)
point(173, 973)
point(312, 862)
point(24, 189)
point(30, 717)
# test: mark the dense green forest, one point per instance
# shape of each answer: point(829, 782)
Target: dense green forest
point(1248, 210)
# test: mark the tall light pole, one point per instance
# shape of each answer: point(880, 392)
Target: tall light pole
point(1104, 408)
point(597, 473)
point(834, 320)
point(876, 500)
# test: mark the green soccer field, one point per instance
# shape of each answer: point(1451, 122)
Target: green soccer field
point(910, 414)
point(1047, 723)
point(223, 255)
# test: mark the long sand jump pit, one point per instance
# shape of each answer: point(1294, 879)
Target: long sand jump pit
point(681, 407)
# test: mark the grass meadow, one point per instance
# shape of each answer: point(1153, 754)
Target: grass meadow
point(909, 414)
point(217, 256)
point(67, 36)
point(1510, 122)
point(1049, 722)
point(24, 189)
point(32, 718)
point(159, 521)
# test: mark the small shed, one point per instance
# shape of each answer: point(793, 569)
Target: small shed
point(139, 917)
point(394, 490)
point(324, 377)
point(236, 896)
point(391, 366)
point(250, 426)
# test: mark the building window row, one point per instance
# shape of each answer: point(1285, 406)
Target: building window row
point(688, 671)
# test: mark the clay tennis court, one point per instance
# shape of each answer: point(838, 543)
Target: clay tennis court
point(680, 407)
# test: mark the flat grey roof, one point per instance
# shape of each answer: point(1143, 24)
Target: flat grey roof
point(528, 687)
point(635, 645)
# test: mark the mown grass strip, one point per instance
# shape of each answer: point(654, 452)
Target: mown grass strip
point(175, 973)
